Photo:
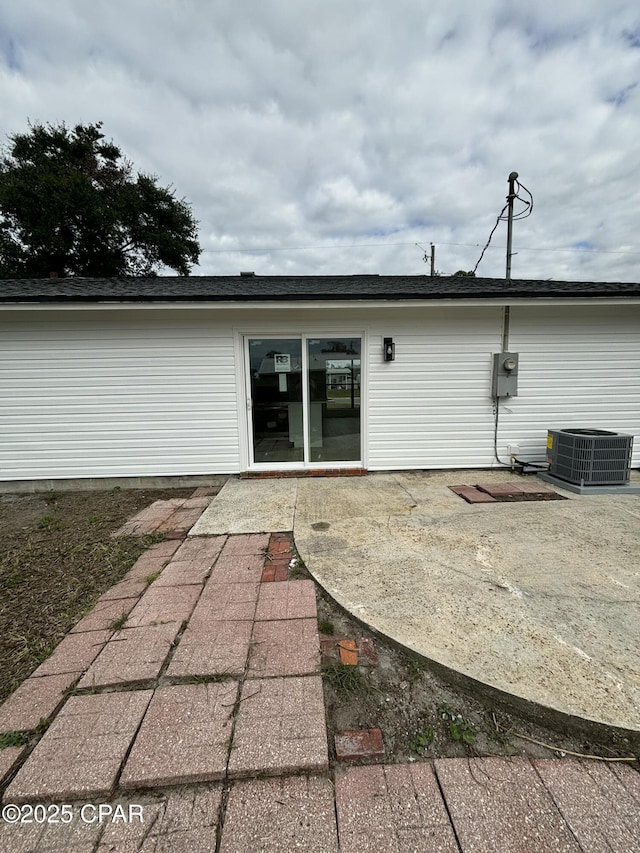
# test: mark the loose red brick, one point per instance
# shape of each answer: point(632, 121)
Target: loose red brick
point(279, 546)
point(472, 495)
point(348, 652)
point(498, 490)
point(359, 743)
point(268, 574)
point(367, 652)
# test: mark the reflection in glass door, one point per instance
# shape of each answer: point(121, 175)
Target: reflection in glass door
point(304, 400)
point(333, 366)
point(275, 370)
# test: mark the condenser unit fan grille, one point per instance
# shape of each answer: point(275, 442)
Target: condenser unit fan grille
point(589, 456)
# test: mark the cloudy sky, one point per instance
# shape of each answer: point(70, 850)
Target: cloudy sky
point(333, 136)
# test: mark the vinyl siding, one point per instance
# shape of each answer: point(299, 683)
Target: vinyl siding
point(578, 367)
point(122, 392)
point(116, 393)
point(431, 407)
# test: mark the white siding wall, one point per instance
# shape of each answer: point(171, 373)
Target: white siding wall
point(116, 393)
point(431, 407)
point(91, 393)
point(578, 367)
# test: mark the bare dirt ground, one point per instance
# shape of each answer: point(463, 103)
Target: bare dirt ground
point(57, 557)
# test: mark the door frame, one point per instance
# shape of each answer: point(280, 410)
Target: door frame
point(243, 390)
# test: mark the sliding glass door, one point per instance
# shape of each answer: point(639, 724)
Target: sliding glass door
point(304, 400)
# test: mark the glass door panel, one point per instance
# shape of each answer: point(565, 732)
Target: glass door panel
point(334, 399)
point(275, 370)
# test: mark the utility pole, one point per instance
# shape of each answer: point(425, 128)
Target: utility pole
point(513, 177)
point(433, 260)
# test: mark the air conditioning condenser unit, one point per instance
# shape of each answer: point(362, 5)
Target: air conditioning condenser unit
point(589, 457)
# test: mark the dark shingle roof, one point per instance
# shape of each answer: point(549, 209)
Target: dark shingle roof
point(274, 288)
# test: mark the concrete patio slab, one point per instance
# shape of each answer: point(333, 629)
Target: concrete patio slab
point(598, 805)
point(489, 798)
point(393, 808)
point(80, 755)
point(539, 600)
point(132, 655)
point(181, 820)
point(238, 568)
point(215, 648)
point(36, 699)
point(74, 653)
point(287, 600)
point(163, 604)
point(184, 737)
point(271, 504)
point(290, 647)
point(275, 815)
point(280, 728)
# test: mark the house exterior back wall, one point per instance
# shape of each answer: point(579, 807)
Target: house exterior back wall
point(161, 391)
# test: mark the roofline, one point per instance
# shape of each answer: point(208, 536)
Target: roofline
point(289, 303)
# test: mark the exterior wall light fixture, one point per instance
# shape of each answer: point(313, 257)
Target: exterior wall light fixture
point(389, 350)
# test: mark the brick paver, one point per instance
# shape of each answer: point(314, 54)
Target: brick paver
point(472, 495)
point(8, 758)
point(184, 736)
point(286, 647)
point(366, 652)
point(246, 543)
point(491, 798)
point(104, 614)
point(498, 490)
point(226, 602)
point(74, 837)
point(395, 809)
point(287, 600)
point(206, 548)
point(74, 653)
point(212, 648)
point(183, 820)
point(153, 560)
point(36, 699)
point(238, 568)
point(597, 803)
point(348, 650)
point(280, 728)
point(132, 655)
point(128, 588)
point(359, 743)
point(80, 755)
point(163, 604)
point(276, 815)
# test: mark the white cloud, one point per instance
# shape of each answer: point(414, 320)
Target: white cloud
point(326, 123)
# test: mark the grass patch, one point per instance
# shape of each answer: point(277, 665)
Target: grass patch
point(13, 739)
point(345, 678)
point(57, 557)
point(326, 627)
point(118, 623)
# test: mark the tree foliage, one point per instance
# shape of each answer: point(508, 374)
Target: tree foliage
point(70, 204)
point(465, 272)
